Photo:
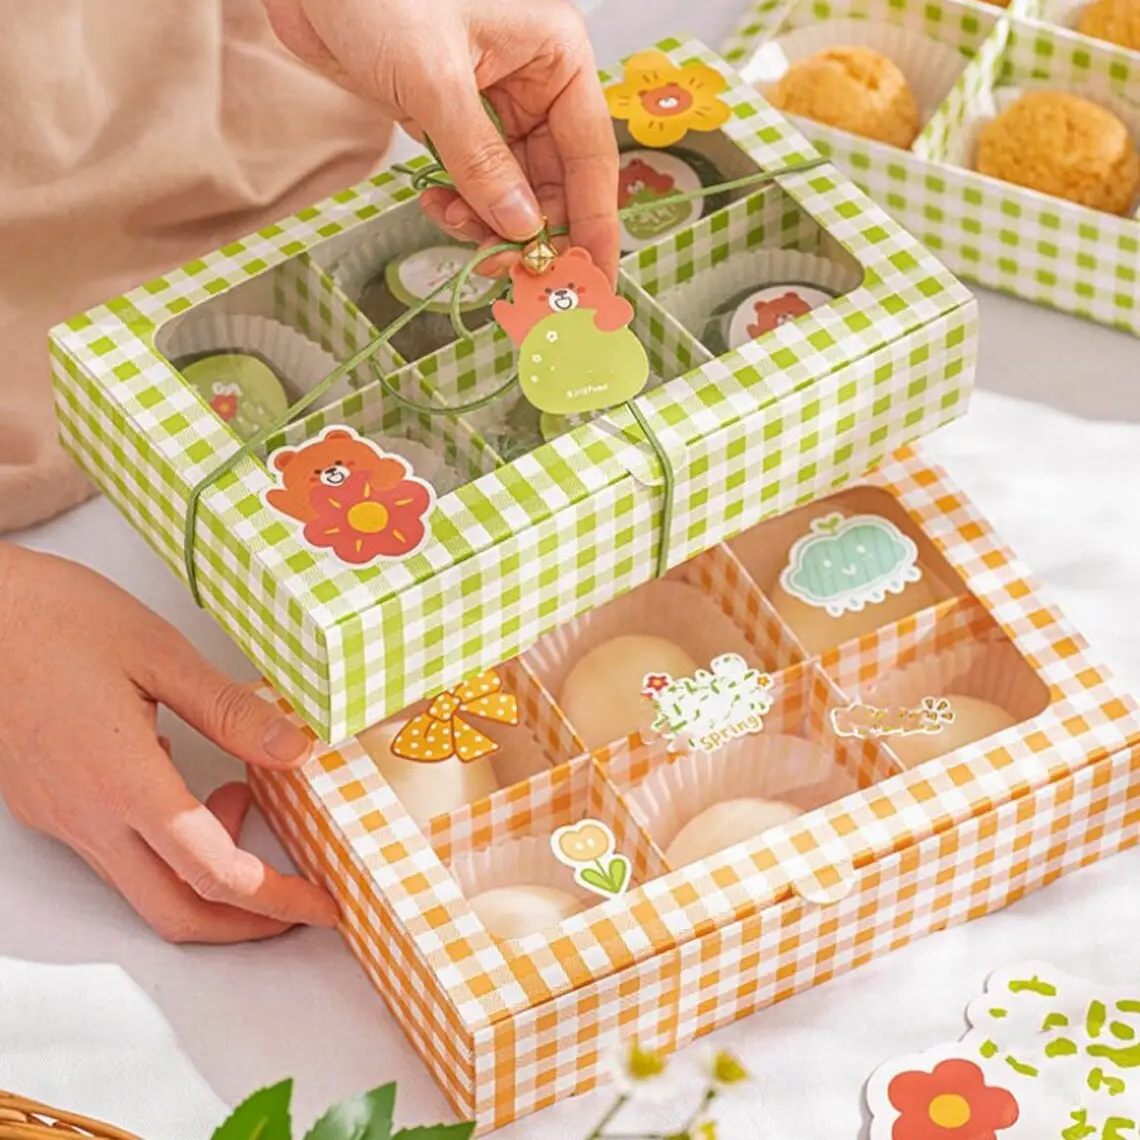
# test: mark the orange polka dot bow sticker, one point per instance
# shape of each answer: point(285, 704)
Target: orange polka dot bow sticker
point(439, 733)
point(663, 102)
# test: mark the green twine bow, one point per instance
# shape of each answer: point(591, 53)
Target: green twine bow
point(422, 177)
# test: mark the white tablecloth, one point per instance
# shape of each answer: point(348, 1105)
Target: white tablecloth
point(1060, 489)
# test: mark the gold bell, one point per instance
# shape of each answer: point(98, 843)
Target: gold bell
point(538, 254)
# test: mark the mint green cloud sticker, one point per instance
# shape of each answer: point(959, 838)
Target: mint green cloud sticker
point(845, 564)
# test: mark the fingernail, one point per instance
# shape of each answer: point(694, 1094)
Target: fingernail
point(285, 742)
point(517, 215)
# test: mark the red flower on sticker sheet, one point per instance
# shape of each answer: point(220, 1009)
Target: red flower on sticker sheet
point(368, 517)
point(951, 1103)
point(655, 683)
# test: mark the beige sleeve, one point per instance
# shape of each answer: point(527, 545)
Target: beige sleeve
point(129, 145)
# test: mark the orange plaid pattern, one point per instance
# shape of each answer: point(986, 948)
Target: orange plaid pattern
point(889, 856)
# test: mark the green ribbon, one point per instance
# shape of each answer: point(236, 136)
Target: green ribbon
point(422, 177)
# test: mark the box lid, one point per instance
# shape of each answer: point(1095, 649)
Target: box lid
point(530, 544)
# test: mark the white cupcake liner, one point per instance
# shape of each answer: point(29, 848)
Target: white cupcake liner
point(766, 766)
point(358, 268)
point(962, 147)
point(931, 68)
point(694, 304)
point(427, 463)
point(662, 608)
point(524, 862)
point(301, 364)
point(991, 671)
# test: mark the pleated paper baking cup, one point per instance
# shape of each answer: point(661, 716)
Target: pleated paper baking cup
point(931, 68)
point(524, 862)
point(767, 766)
point(750, 294)
point(990, 671)
point(962, 148)
point(427, 462)
point(300, 364)
point(664, 609)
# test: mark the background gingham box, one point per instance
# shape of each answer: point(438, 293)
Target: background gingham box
point(1044, 249)
point(520, 547)
point(882, 856)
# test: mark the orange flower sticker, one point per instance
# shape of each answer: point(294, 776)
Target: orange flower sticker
point(663, 102)
point(440, 733)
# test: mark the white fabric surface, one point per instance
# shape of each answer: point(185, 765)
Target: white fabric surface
point(1061, 490)
point(116, 1041)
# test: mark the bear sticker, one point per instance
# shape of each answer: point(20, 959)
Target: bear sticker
point(651, 181)
point(352, 498)
point(770, 308)
point(576, 352)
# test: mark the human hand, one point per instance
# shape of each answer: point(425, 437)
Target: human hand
point(83, 668)
point(424, 64)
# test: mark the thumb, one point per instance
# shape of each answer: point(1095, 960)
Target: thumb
point(222, 709)
point(477, 157)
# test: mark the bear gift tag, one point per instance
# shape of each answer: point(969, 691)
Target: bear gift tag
point(354, 499)
point(576, 353)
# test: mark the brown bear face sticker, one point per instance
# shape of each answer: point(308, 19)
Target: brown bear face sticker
point(639, 182)
point(772, 314)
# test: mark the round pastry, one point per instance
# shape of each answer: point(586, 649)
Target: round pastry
point(974, 720)
point(724, 825)
point(818, 631)
point(509, 913)
point(1117, 21)
point(1063, 145)
point(405, 281)
point(754, 312)
point(848, 576)
point(647, 178)
point(427, 790)
point(240, 388)
point(602, 696)
point(853, 89)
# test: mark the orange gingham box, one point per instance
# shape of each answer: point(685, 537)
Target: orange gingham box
point(901, 853)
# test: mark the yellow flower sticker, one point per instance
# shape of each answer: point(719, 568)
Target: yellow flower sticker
point(663, 102)
point(588, 847)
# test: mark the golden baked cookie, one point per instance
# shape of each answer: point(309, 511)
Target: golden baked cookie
point(1063, 145)
point(854, 89)
point(1117, 21)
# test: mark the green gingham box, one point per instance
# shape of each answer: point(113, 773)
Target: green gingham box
point(524, 546)
point(1018, 241)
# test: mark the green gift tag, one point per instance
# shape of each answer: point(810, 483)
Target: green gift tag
point(576, 353)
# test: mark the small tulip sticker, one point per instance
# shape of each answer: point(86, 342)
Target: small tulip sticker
point(588, 847)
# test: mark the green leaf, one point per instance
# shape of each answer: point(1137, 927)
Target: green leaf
point(437, 1132)
point(594, 878)
point(619, 869)
point(365, 1117)
point(263, 1116)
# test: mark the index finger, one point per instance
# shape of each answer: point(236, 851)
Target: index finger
point(583, 131)
point(195, 844)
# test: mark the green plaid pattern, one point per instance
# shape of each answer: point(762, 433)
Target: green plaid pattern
point(525, 546)
point(1041, 248)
